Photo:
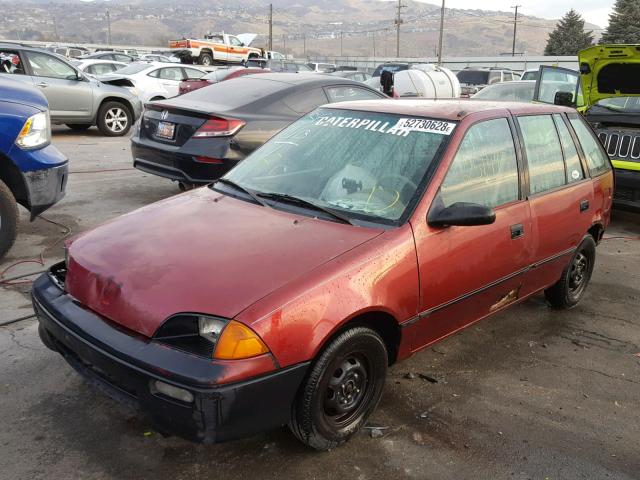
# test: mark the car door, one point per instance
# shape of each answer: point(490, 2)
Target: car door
point(170, 78)
point(469, 272)
point(560, 195)
point(237, 50)
point(552, 80)
point(70, 95)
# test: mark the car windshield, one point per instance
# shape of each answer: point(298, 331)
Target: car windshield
point(366, 165)
point(133, 68)
point(507, 92)
point(530, 75)
point(621, 104)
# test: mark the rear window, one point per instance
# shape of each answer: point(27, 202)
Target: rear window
point(473, 77)
point(242, 91)
point(133, 69)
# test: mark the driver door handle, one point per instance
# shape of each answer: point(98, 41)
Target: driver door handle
point(517, 231)
point(42, 85)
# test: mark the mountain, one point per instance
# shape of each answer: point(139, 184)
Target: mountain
point(301, 27)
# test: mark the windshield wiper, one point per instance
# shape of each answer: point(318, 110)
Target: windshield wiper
point(285, 197)
point(244, 190)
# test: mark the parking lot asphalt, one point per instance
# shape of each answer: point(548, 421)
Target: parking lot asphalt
point(530, 393)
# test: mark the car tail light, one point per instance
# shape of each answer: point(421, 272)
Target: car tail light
point(219, 127)
point(208, 160)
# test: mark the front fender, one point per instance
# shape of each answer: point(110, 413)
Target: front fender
point(378, 276)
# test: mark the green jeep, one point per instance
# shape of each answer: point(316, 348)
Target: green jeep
point(607, 92)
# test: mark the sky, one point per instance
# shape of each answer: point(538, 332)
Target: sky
point(593, 11)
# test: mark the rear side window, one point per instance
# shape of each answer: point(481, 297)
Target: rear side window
point(345, 93)
point(544, 155)
point(571, 158)
point(10, 62)
point(173, 73)
point(193, 73)
point(596, 158)
point(485, 168)
point(305, 101)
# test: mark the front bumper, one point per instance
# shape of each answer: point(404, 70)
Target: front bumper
point(125, 365)
point(627, 192)
point(45, 187)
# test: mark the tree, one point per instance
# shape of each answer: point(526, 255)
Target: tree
point(624, 23)
point(569, 36)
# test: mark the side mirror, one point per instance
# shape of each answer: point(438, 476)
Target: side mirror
point(461, 214)
point(564, 98)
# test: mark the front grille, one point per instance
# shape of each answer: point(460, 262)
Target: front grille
point(621, 144)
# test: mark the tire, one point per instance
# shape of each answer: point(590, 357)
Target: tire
point(341, 390)
point(114, 119)
point(79, 126)
point(567, 292)
point(8, 219)
point(205, 59)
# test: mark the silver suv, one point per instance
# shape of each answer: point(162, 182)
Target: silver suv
point(75, 99)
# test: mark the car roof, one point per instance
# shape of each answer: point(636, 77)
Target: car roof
point(445, 109)
point(305, 78)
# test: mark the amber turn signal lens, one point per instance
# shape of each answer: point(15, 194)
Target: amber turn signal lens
point(238, 341)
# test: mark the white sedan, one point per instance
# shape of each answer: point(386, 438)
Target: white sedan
point(95, 67)
point(152, 81)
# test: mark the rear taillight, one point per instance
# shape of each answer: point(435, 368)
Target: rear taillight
point(219, 127)
point(202, 159)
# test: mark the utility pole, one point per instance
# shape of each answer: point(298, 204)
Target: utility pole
point(398, 22)
point(271, 26)
point(341, 43)
point(374, 45)
point(304, 45)
point(441, 32)
point(284, 44)
point(515, 26)
point(108, 28)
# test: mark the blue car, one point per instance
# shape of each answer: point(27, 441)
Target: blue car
point(33, 173)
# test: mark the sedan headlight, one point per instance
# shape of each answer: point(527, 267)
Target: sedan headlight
point(36, 132)
point(211, 337)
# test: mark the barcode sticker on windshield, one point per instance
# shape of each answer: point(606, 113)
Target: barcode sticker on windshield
point(424, 125)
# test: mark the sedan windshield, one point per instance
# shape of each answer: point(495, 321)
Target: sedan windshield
point(366, 165)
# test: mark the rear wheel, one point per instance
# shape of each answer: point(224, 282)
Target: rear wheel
point(114, 119)
point(567, 292)
point(343, 388)
point(8, 219)
point(79, 126)
point(205, 59)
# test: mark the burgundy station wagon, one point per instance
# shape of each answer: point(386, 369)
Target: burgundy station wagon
point(360, 234)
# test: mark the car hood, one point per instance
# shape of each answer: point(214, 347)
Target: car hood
point(609, 71)
point(247, 38)
point(200, 252)
point(16, 91)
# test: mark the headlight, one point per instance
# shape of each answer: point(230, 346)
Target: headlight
point(209, 337)
point(36, 132)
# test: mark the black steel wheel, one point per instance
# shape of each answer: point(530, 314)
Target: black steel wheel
point(342, 389)
point(567, 292)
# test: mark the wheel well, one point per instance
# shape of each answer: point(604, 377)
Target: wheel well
point(157, 97)
point(206, 50)
point(12, 177)
point(119, 100)
point(596, 231)
point(384, 325)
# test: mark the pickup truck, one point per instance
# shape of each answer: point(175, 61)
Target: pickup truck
point(33, 173)
point(216, 48)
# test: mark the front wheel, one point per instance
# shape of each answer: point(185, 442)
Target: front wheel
point(114, 119)
point(8, 219)
point(342, 389)
point(205, 59)
point(567, 292)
